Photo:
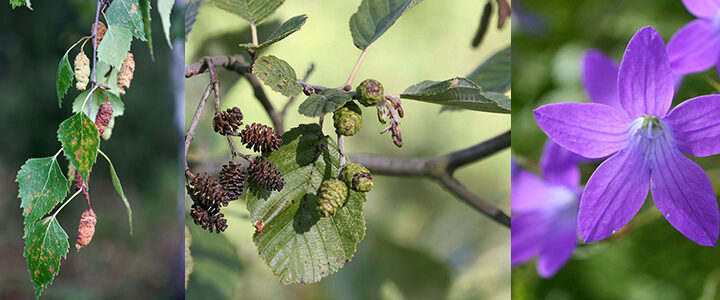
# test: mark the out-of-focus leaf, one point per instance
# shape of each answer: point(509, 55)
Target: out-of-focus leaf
point(255, 11)
point(326, 102)
point(164, 9)
point(297, 243)
point(287, 28)
point(145, 8)
point(494, 73)
point(16, 3)
point(119, 190)
point(374, 17)
point(115, 45)
point(458, 92)
point(192, 9)
point(278, 75)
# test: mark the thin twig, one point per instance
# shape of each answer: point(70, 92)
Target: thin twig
point(190, 135)
point(216, 87)
point(441, 168)
point(94, 70)
point(348, 84)
point(292, 99)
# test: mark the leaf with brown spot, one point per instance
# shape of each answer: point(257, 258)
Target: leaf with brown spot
point(80, 140)
point(41, 186)
point(278, 75)
point(127, 13)
point(46, 243)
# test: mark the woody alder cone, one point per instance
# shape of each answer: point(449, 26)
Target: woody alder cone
point(259, 137)
point(227, 122)
point(102, 119)
point(331, 196)
point(207, 191)
point(211, 220)
point(100, 32)
point(232, 178)
point(125, 74)
point(86, 229)
point(82, 71)
point(264, 173)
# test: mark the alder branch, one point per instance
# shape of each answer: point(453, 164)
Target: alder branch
point(190, 135)
point(441, 169)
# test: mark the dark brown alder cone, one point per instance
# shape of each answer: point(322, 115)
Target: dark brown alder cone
point(86, 229)
point(227, 122)
point(259, 137)
point(102, 119)
point(213, 220)
point(264, 173)
point(207, 191)
point(100, 32)
point(125, 74)
point(232, 178)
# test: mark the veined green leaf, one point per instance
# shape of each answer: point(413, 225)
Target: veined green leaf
point(41, 186)
point(287, 28)
point(80, 140)
point(46, 243)
point(145, 8)
point(326, 102)
point(278, 75)
point(494, 73)
point(254, 11)
point(115, 45)
point(126, 14)
point(64, 77)
point(374, 17)
point(297, 243)
point(458, 92)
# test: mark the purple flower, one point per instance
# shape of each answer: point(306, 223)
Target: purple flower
point(696, 47)
point(544, 222)
point(647, 145)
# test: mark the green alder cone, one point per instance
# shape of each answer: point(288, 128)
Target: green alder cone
point(332, 196)
point(348, 119)
point(357, 177)
point(370, 92)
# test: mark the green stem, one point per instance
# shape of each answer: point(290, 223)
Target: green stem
point(66, 202)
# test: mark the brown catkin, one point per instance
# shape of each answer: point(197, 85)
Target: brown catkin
point(86, 229)
point(125, 75)
point(102, 119)
point(259, 137)
point(227, 122)
point(266, 174)
point(100, 32)
point(82, 71)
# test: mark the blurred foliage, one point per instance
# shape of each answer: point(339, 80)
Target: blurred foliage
point(650, 259)
point(144, 149)
point(421, 242)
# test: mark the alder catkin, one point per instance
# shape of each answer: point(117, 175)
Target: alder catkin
point(125, 75)
point(264, 173)
point(259, 137)
point(227, 122)
point(82, 71)
point(102, 119)
point(86, 229)
point(100, 32)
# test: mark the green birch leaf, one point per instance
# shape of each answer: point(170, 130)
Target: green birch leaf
point(119, 189)
point(286, 29)
point(80, 140)
point(254, 11)
point(64, 78)
point(297, 243)
point(46, 243)
point(16, 3)
point(126, 14)
point(494, 73)
point(145, 9)
point(98, 98)
point(164, 9)
point(326, 102)
point(41, 186)
point(277, 74)
point(374, 17)
point(115, 45)
point(458, 92)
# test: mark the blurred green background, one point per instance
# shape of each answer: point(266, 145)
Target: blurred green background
point(651, 260)
point(144, 149)
point(421, 242)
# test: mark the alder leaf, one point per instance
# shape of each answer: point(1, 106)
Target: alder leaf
point(80, 140)
point(277, 74)
point(286, 29)
point(254, 11)
point(458, 92)
point(41, 186)
point(115, 45)
point(64, 77)
point(494, 73)
point(119, 189)
point(126, 14)
point(145, 8)
point(297, 243)
point(99, 98)
point(326, 102)
point(374, 17)
point(46, 243)
point(164, 9)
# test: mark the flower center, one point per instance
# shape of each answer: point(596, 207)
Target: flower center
point(649, 127)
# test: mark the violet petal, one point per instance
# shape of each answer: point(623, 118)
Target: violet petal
point(600, 78)
point(557, 249)
point(559, 166)
point(695, 125)
point(702, 8)
point(694, 48)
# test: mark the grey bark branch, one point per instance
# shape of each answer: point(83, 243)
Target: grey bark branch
point(441, 168)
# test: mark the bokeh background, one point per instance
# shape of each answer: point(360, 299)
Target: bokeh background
point(649, 260)
point(145, 149)
point(418, 235)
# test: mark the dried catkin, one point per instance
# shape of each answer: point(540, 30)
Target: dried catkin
point(86, 229)
point(102, 119)
point(227, 122)
point(125, 75)
point(82, 71)
point(100, 32)
point(232, 178)
point(259, 137)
